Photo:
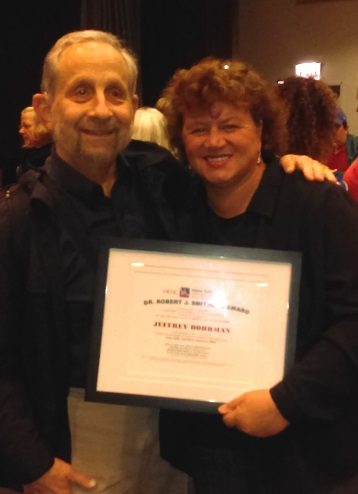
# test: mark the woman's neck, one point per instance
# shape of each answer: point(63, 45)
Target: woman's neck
point(233, 200)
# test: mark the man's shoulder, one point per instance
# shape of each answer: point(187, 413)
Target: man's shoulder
point(20, 190)
point(148, 154)
point(158, 170)
point(156, 164)
point(16, 197)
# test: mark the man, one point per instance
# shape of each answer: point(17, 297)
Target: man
point(95, 184)
point(47, 281)
point(36, 145)
point(346, 145)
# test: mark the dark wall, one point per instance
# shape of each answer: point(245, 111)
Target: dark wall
point(174, 33)
point(178, 33)
point(28, 29)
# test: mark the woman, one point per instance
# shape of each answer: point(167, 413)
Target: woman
point(300, 436)
point(311, 108)
point(150, 125)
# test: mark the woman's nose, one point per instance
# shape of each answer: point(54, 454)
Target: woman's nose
point(215, 138)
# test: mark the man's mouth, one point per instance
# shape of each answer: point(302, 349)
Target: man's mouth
point(99, 132)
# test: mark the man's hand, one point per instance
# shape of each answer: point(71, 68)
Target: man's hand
point(58, 480)
point(254, 413)
point(312, 169)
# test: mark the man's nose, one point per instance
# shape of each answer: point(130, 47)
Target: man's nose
point(101, 107)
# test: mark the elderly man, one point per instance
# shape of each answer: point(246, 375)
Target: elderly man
point(89, 189)
point(346, 145)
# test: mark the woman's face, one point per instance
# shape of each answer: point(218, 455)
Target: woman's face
point(222, 143)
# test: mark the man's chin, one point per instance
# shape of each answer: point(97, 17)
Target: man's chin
point(99, 158)
point(104, 154)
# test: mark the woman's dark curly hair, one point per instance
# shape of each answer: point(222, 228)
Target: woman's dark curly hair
point(311, 108)
point(229, 81)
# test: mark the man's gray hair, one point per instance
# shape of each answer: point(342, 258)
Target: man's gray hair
point(50, 66)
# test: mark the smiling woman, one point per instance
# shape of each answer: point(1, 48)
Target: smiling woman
point(231, 82)
point(222, 116)
point(228, 125)
point(223, 145)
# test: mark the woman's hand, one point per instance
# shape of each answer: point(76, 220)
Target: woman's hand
point(254, 413)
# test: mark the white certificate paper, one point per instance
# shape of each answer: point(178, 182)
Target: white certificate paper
point(190, 329)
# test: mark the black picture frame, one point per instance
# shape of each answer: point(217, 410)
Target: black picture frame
point(272, 260)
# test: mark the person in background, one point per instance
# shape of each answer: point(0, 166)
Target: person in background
point(149, 125)
point(350, 177)
point(311, 116)
point(97, 183)
point(301, 435)
point(37, 141)
point(311, 111)
point(345, 145)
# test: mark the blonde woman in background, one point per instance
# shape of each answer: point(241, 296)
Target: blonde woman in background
point(150, 125)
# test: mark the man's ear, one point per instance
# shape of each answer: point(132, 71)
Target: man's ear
point(135, 101)
point(42, 108)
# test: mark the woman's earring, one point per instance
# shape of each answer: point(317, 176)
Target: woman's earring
point(259, 158)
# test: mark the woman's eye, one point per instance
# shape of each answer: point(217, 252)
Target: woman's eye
point(230, 127)
point(198, 131)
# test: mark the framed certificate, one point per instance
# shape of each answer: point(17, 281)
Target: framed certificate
point(189, 326)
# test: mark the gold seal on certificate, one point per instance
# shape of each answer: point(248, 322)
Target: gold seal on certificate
point(190, 326)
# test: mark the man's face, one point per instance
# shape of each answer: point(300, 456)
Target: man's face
point(92, 109)
point(341, 135)
point(27, 123)
point(222, 143)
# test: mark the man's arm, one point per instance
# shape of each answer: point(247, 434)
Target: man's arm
point(25, 459)
point(24, 456)
point(59, 479)
point(312, 169)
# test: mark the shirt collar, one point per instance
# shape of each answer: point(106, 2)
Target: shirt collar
point(264, 199)
point(73, 182)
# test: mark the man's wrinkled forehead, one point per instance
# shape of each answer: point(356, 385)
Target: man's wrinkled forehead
point(92, 58)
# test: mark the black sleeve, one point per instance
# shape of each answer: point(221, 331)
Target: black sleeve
point(23, 455)
point(323, 385)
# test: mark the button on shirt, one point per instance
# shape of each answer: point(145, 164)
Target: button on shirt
point(86, 218)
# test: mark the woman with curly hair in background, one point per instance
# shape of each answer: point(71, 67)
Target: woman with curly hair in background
point(311, 116)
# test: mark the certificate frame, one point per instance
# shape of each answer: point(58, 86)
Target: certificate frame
point(132, 363)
